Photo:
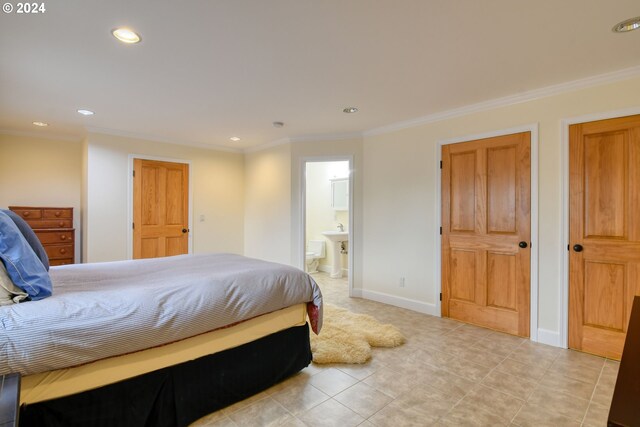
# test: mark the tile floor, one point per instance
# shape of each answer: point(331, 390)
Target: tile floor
point(447, 374)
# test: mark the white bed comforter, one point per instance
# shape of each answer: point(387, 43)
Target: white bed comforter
point(106, 309)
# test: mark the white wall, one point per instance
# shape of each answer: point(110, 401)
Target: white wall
point(267, 216)
point(217, 182)
point(36, 171)
point(400, 203)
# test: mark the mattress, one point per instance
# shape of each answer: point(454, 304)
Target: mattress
point(102, 310)
point(63, 382)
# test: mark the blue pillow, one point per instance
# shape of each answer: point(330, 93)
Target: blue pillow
point(23, 266)
point(31, 237)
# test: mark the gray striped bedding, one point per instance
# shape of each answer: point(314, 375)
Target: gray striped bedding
point(107, 309)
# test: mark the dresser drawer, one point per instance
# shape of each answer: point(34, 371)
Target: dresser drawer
point(27, 213)
point(55, 236)
point(62, 261)
point(50, 223)
point(59, 251)
point(55, 213)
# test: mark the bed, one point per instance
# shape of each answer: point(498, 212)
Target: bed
point(157, 342)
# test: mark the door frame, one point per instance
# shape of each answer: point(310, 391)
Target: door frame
point(533, 284)
point(303, 211)
point(131, 157)
point(563, 294)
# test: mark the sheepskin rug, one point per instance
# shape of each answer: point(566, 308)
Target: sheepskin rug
point(347, 337)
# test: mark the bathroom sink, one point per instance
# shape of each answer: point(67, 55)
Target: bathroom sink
point(336, 236)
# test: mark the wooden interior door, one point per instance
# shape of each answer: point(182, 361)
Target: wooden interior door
point(486, 232)
point(160, 208)
point(604, 214)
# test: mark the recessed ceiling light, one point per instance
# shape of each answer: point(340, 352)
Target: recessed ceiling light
point(234, 139)
point(41, 124)
point(350, 110)
point(126, 35)
point(86, 112)
point(628, 25)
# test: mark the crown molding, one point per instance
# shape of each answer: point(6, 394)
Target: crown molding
point(154, 138)
point(50, 136)
point(531, 95)
point(327, 137)
point(305, 138)
point(267, 145)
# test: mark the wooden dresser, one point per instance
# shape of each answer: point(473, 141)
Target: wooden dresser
point(54, 228)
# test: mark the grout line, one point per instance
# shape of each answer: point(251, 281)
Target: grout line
point(584, 417)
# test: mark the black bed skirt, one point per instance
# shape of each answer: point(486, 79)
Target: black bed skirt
point(180, 394)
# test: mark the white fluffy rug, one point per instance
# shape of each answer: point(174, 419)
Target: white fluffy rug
point(347, 337)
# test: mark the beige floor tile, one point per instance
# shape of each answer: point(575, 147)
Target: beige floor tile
point(216, 419)
point(431, 357)
point(481, 357)
point(332, 381)
point(466, 369)
point(419, 407)
point(576, 372)
point(567, 385)
point(363, 399)
point(294, 422)
point(503, 349)
point(391, 382)
point(360, 371)
point(528, 372)
point(597, 415)
point(532, 353)
point(579, 366)
point(466, 415)
point(297, 380)
point(244, 403)
point(505, 383)
point(603, 394)
point(560, 403)
point(505, 339)
point(265, 412)
point(299, 399)
point(533, 416)
point(331, 414)
point(446, 382)
point(494, 401)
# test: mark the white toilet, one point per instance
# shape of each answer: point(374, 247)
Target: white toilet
point(315, 251)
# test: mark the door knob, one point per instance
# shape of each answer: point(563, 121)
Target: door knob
point(523, 244)
point(185, 230)
point(577, 248)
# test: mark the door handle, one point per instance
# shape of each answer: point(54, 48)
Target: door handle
point(577, 248)
point(523, 244)
point(185, 230)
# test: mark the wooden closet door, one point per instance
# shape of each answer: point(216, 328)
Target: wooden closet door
point(486, 231)
point(160, 208)
point(604, 260)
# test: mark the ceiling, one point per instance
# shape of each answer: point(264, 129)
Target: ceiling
point(207, 70)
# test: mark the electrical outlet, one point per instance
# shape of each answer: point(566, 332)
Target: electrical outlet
point(401, 283)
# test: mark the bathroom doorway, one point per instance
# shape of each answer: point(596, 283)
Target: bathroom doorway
point(327, 223)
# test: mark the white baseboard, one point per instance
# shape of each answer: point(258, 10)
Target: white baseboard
point(548, 337)
point(410, 304)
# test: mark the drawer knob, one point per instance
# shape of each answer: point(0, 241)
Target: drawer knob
point(63, 251)
point(61, 224)
point(26, 213)
point(58, 213)
point(63, 237)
